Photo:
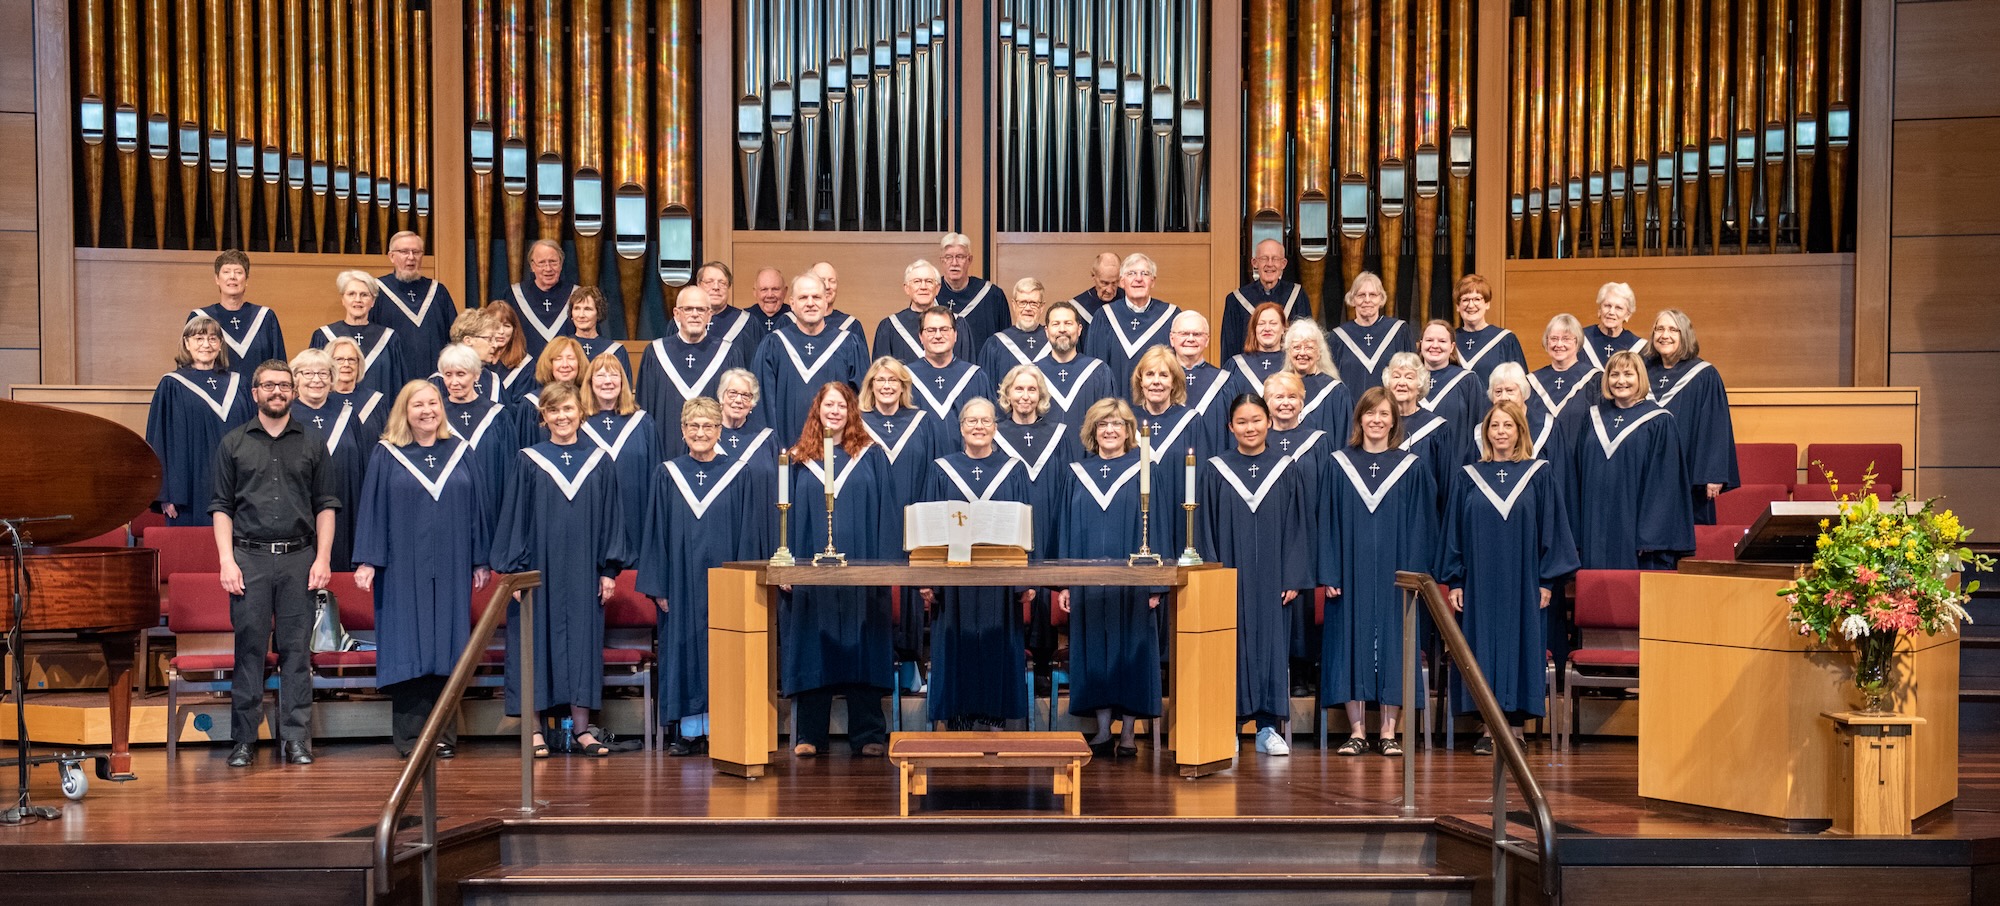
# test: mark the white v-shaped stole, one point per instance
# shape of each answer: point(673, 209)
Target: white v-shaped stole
point(1612, 442)
point(700, 503)
point(1256, 499)
point(1068, 400)
point(396, 299)
point(840, 480)
point(1372, 499)
point(1369, 361)
point(219, 407)
point(1483, 350)
point(895, 450)
point(568, 486)
point(799, 363)
point(1132, 347)
point(1681, 384)
point(1106, 495)
point(1549, 402)
point(1430, 403)
point(688, 390)
point(549, 330)
point(940, 407)
point(959, 482)
point(1505, 504)
point(617, 445)
point(1042, 461)
point(239, 348)
point(434, 486)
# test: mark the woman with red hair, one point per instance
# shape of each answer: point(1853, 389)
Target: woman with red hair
point(836, 639)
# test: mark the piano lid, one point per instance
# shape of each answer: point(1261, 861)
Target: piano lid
point(61, 462)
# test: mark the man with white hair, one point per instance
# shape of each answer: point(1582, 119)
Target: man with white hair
point(898, 334)
point(685, 364)
point(417, 308)
point(1209, 389)
point(1024, 342)
point(542, 300)
point(1267, 262)
point(800, 356)
point(980, 308)
point(1122, 331)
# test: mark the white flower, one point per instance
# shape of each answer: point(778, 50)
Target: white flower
point(1854, 627)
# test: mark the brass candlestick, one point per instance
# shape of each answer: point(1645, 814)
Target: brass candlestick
point(783, 556)
point(1145, 554)
point(1188, 556)
point(829, 557)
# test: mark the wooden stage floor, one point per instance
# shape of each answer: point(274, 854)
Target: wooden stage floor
point(199, 799)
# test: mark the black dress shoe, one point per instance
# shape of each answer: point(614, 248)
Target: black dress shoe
point(242, 755)
point(446, 751)
point(297, 753)
point(679, 748)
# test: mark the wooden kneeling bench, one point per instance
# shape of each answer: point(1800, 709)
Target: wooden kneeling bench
point(915, 754)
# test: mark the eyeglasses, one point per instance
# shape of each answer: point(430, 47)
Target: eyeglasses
point(274, 386)
point(937, 330)
point(413, 253)
point(738, 395)
point(923, 281)
point(702, 427)
point(1267, 259)
point(955, 257)
point(310, 375)
point(976, 422)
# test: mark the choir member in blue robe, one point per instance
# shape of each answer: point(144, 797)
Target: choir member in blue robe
point(1173, 429)
point(1023, 342)
point(1690, 388)
point(1269, 287)
point(384, 367)
point(1075, 380)
point(1046, 443)
point(1632, 508)
point(512, 366)
point(561, 362)
point(836, 640)
point(624, 432)
point(909, 436)
point(977, 661)
point(898, 335)
point(1362, 346)
point(1209, 389)
point(799, 358)
point(732, 324)
point(1566, 387)
point(1251, 505)
point(193, 406)
point(1263, 352)
point(1616, 306)
point(1103, 290)
point(542, 300)
point(347, 437)
point(563, 514)
point(1329, 402)
point(371, 406)
point(706, 509)
point(685, 364)
point(1455, 394)
point(249, 331)
point(419, 309)
point(980, 306)
point(484, 425)
point(1544, 439)
point(423, 535)
point(1481, 346)
point(829, 280)
point(941, 380)
point(1506, 545)
point(1121, 332)
point(1291, 435)
point(1434, 439)
point(742, 420)
point(1381, 517)
point(474, 330)
point(586, 319)
point(1114, 632)
point(770, 309)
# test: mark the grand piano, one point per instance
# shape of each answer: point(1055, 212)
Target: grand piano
point(100, 474)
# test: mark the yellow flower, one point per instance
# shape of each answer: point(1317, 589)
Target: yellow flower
point(1822, 523)
point(1824, 541)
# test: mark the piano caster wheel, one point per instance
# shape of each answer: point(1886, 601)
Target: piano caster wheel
point(75, 781)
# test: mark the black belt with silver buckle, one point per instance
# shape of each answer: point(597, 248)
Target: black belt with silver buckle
point(275, 547)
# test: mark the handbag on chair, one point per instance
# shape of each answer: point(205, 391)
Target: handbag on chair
point(328, 635)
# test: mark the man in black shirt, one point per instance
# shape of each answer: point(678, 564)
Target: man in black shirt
point(273, 506)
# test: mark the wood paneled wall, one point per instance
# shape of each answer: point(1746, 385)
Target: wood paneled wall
point(20, 279)
point(1944, 244)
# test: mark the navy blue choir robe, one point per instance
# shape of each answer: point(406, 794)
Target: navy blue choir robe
point(512, 384)
point(701, 515)
point(1250, 369)
point(421, 313)
point(1692, 390)
point(1459, 396)
point(349, 442)
point(383, 365)
point(1597, 346)
point(1252, 508)
point(1176, 433)
point(1011, 348)
point(981, 308)
point(423, 521)
point(840, 635)
point(543, 313)
point(673, 371)
point(1564, 394)
point(251, 334)
point(1307, 446)
point(909, 439)
point(791, 366)
point(1114, 634)
point(1088, 304)
point(1381, 516)
point(1632, 509)
point(1438, 444)
point(944, 391)
point(1045, 447)
point(486, 386)
point(736, 441)
point(634, 446)
point(1075, 385)
point(191, 411)
point(563, 515)
point(488, 428)
point(758, 325)
point(1239, 305)
point(1209, 390)
point(1484, 349)
point(838, 320)
point(978, 661)
point(1361, 352)
point(1506, 538)
point(1119, 334)
point(528, 427)
point(596, 346)
point(733, 324)
point(1329, 404)
point(899, 336)
point(372, 405)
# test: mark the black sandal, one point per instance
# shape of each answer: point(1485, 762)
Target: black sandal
point(541, 748)
point(1354, 745)
point(594, 749)
point(1389, 746)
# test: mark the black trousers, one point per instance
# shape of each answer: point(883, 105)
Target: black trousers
point(813, 710)
point(410, 705)
point(274, 611)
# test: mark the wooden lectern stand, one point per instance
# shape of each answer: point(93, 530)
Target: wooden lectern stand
point(1732, 699)
point(743, 653)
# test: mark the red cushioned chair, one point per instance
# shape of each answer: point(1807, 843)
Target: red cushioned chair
point(1742, 506)
point(631, 623)
point(145, 522)
point(1607, 615)
point(1717, 542)
point(205, 656)
point(1849, 462)
point(348, 669)
point(1768, 464)
point(1815, 492)
point(183, 549)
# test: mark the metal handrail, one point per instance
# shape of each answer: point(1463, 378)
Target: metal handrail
point(423, 759)
point(1509, 758)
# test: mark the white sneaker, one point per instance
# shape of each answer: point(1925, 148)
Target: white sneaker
point(1270, 742)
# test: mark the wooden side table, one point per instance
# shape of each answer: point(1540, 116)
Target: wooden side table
point(1874, 790)
point(915, 754)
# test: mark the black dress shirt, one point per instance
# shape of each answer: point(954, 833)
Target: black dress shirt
point(272, 488)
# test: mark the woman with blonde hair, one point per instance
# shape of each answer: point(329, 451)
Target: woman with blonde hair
point(624, 432)
point(1329, 402)
point(561, 362)
point(381, 347)
point(1632, 509)
point(1362, 344)
point(1173, 428)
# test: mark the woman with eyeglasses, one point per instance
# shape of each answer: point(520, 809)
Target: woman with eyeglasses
point(381, 348)
point(348, 440)
point(193, 406)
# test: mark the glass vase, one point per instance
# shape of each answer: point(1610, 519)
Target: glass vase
point(1874, 655)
